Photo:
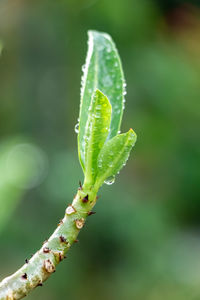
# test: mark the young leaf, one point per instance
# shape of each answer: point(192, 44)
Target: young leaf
point(96, 132)
point(102, 71)
point(114, 155)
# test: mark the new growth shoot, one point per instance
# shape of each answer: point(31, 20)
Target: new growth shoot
point(102, 151)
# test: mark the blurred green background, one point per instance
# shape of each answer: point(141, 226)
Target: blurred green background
point(144, 241)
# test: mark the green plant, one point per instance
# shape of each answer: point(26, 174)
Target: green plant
point(102, 152)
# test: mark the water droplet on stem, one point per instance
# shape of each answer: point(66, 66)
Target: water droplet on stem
point(110, 180)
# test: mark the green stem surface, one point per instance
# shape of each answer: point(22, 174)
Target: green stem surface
point(35, 271)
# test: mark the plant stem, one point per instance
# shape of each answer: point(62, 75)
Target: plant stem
point(35, 271)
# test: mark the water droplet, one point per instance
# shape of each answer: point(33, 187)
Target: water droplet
point(97, 115)
point(83, 68)
point(100, 163)
point(76, 128)
point(119, 131)
point(98, 107)
point(124, 88)
point(110, 180)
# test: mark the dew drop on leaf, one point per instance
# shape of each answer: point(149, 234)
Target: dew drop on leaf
point(76, 128)
point(83, 68)
point(110, 180)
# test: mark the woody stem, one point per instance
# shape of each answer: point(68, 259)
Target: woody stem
point(35, 271)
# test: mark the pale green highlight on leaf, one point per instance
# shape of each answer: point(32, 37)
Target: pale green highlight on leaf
point(102, 71)
point(114, 154)
point(96, 132)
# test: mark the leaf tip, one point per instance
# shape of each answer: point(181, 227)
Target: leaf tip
point(105, 99)
point(92, 32)
point(97, 91)
point(132, 136)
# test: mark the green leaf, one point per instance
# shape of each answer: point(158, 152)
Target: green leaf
point(102, 71)
point(114, 154)
point(96, 132)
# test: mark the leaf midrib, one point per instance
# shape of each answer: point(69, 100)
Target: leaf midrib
point(88, 158)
